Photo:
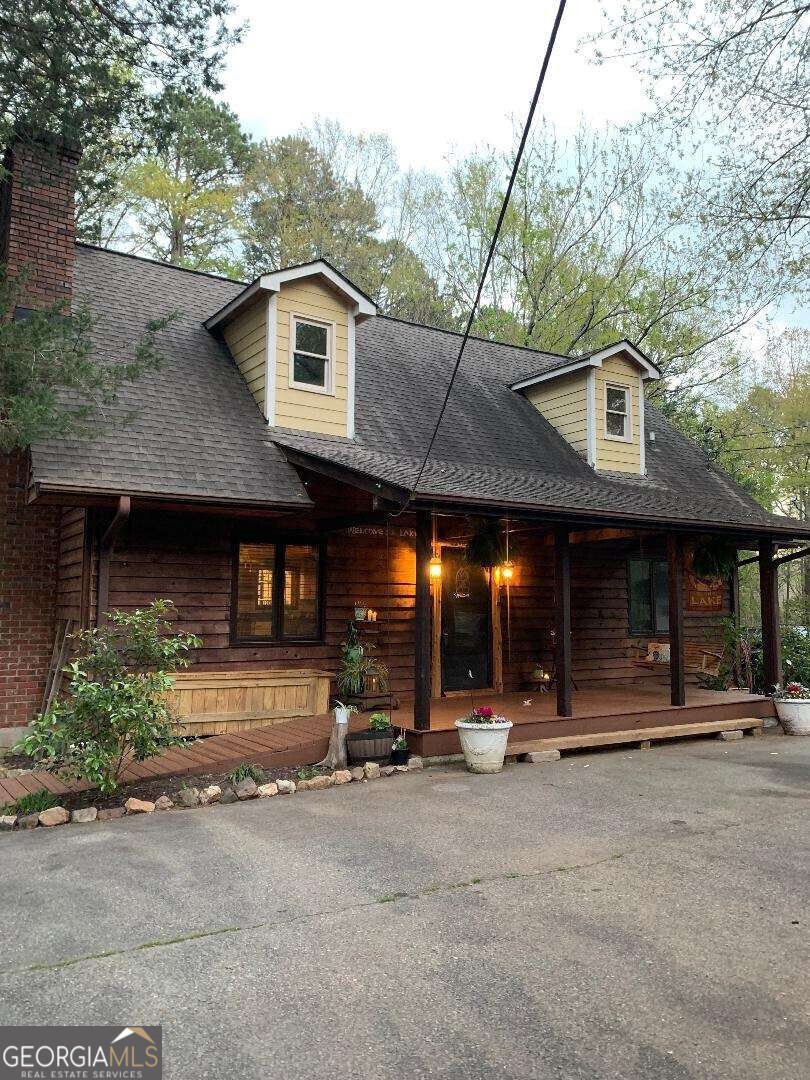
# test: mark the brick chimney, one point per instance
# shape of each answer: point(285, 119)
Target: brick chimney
point(38, 218)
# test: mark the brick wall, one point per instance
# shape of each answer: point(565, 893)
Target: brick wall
point(37, 235)
point(29, 539)
point(37, 219)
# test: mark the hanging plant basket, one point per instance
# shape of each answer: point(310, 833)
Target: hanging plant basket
point(714, 560)
point(487, 544)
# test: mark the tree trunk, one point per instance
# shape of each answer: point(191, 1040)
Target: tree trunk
point(336, 754)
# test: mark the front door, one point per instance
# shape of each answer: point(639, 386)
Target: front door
point(465, 623)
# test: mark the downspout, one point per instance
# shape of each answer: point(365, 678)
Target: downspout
point(105, 551)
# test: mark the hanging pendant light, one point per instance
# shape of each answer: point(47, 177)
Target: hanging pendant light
point(507, 570)
point(435, 564)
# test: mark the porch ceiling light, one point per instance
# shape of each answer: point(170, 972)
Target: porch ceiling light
point(435, 567)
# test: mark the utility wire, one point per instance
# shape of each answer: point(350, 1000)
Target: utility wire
point(473, 311)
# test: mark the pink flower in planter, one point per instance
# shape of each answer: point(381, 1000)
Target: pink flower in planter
point(484, 712)
point(793, 687)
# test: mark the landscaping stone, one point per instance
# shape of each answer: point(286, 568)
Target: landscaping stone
point(342, 776)
point(357, 772)
point(28, 821)
point(400, 768)
point(267, 791)
point(388, 770)
point(7, 822)
point(139, 806)
point(246, 789)
point(57, 815)
point(371, 770)
point(729, 736)
point(111, 813)
point(415, 763)
point(163, 802)
point(188, 796)
point(84, 815)
point(228, 795)
point(316, 783)
point(537, 757)
point(285, 787)
point(211, 794)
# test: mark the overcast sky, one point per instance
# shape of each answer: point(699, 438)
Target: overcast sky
point(437, 77)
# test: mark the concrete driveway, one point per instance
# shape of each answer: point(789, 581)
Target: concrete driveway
point(615, 914)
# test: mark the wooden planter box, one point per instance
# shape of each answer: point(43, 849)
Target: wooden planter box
point(215, 702)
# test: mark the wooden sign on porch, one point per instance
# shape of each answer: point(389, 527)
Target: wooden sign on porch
point(701, 594)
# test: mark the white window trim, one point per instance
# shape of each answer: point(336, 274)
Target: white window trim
point(329, 389)
point(628, 395)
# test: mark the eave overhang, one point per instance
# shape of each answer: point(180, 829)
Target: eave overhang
point(593, 360)
point(268, 284)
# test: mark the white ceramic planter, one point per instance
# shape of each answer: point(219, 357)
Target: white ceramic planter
point(484, 745)
point(794, 716)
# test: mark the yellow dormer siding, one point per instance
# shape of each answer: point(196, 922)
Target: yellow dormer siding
point(614, 454)
point(291, 333)
point(320, 410)
point(246, 337)
point(564, 404)
point(596, 402)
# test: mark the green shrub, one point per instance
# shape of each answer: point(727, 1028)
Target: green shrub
point(247, 771)
point(379, 721)
point(36, 802)
point(114, 710)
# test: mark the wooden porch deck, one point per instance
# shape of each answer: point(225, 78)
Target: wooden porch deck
point(604, 709)
point(304, 741)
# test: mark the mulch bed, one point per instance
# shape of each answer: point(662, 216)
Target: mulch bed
point(147, 789)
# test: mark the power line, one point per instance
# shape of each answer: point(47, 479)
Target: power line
point(527, 127)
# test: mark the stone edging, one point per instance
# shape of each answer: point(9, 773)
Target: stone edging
point(188, 798)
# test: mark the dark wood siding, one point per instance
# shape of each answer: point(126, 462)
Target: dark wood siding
point(72, 570)
point(187, 558)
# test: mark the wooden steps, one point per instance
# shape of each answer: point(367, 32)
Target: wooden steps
point(637, 736)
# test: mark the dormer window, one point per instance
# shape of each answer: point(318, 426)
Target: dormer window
point(617, 413)
point(311, 360)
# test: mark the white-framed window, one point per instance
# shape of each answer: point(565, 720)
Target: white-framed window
point(618, 421)
point(311, 354)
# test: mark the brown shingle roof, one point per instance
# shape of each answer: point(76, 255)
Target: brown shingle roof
point(198, 434)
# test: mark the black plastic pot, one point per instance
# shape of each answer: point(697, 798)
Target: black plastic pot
point(400, 756)
point(369, 745)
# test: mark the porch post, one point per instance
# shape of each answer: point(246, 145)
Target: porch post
point(675, 580)
point(562, 621)
point(769, 603)
point(422, 672)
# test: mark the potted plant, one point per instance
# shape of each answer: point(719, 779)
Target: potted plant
point(360, 669)
point(343, 712)
point(793, 708)
point(399, 750)
point(483, 735)
point(373, 744)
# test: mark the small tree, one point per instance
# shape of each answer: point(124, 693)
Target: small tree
point(52, 382)
point(115, 710)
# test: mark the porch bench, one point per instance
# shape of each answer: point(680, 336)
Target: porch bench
point(698, 659)
point(217, 702)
